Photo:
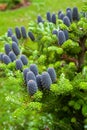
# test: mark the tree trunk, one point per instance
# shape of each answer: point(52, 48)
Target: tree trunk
point(82, 53)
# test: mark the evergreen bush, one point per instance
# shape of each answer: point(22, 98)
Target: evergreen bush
point(54, 95)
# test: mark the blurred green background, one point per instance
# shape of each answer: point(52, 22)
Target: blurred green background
point(22, 16)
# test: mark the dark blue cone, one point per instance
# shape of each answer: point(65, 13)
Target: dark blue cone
point(75, 14)
point(6, 59)
point(1, 56)
point(39, 19)
point(14, 39)
point(68, 9)
point(19, 64)
point(46, 80)
point(15, 48)
point(66, 21)
point(32, 87)
point(66, 34)
point(30, 34)
point(61, 16)
point(52, 74)
point(54, 18)
point(38, 80)
point(59, 12)
point(55, 32)
point(9, 33)
point(61, 37)
point(48, 16)
point(69, 15)
point(17, 32)
point(34, 69)
point(7, 48)
point(24, 59)
point(12, 56)
point(30, 76)
point(23, 32)
point(25, 71)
